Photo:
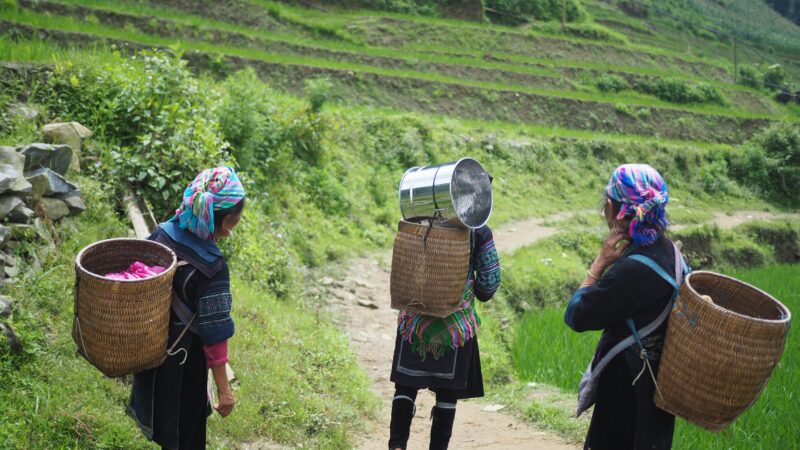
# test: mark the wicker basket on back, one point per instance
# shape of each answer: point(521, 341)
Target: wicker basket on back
point(429, 268)
point(121, 326)
point(718, 357)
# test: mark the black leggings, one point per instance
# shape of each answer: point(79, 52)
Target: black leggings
point(404, 409)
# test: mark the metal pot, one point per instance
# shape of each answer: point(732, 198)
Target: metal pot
point(459, 192)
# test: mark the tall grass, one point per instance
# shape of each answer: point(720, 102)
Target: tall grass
point(545, 350)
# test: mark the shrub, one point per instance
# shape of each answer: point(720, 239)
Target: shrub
point(770, 163)
point(750, 76)
point(514, 12)
point(152, 113)
point(680, 91)
point(318, 91)
point(775, 77)
point(611, 83)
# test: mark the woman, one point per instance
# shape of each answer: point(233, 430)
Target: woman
point(170, 403)
point(441, 354)
point(628, 293)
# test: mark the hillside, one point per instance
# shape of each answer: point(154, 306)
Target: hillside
point(321, 107)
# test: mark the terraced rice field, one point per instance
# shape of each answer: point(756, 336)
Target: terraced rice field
point(533, 78)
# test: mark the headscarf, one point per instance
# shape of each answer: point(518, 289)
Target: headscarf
point(212, 190)
point(644, 196)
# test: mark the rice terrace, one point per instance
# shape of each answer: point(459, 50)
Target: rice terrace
point(488, 129)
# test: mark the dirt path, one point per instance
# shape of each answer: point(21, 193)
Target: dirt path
point(362, 303)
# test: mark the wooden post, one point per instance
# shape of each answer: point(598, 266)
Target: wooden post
point(735, 61)
point(563, 13)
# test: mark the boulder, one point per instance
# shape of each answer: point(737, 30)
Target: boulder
point(8, 203)
point(55, 157)
point(69, 133)
point(54, 208)
point(5, 307)
point(23, 111)
point(5, 232)
point(10, 337)
point(22, 214)
point(8, 155)
point(45, 182)
point(8, 175)
point(74, 202)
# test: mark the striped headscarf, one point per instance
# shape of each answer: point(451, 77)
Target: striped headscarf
point(212, 190)
point(644, 195)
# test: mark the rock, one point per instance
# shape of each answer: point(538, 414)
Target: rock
point(54, 208)
point(20, 232)
point(8, 175)
point(11, 338)
point(5, 232)
point(70, 133)
point(327, 281)
point(493, 408)
point(8, 203)
point(22, 214)
point(55, 157)
point(12, 271)
point(367, 304)
point(5, 307)
point(8, 155)
point(74, 202)
point(46, 182)
point(24, 111)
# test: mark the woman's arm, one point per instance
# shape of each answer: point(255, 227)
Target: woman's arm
point(224, 393)
point(487, 265)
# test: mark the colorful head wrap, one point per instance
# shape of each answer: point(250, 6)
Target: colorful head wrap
point(212, 190)
point(644, 196)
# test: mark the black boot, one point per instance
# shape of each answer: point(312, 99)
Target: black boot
point(443, 416)
point(403, 410)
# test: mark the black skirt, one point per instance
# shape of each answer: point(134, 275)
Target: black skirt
point(170, 403)
point(458, 371)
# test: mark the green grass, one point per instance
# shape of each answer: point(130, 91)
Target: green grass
point(546, 351)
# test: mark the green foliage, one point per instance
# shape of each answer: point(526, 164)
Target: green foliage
point(611, 83)
point(770, 163)
point(680, 91)
point(318, 91)
point(750, 76)
point(152, 113)
point(517, 11)
point(775, 77)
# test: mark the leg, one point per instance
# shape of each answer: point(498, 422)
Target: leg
point(403, 410)
point(443, 415)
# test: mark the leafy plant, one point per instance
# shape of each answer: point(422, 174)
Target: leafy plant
point(611, 83)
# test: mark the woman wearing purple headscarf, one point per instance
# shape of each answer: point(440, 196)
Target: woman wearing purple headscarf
point(628, 293)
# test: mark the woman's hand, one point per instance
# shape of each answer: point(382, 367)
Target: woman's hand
point(226, 401)
point(612, 250)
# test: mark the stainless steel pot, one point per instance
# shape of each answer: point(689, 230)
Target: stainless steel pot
point(459, 192)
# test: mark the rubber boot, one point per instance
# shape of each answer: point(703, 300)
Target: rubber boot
point(442, 427)
point(403, 410)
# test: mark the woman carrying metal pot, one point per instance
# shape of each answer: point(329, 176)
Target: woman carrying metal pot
point(628, 293)
point(170, 403)
point(441, 354)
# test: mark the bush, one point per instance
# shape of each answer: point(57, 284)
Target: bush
point(770, 163)
point(680, 91)
point(775, 77)
point(318, 91)
point(514, 12)
point(750, 76)
point(152, 113)
point(611, 83)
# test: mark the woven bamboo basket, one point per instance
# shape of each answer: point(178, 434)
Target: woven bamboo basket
point(718, 357)
point(121, 326)
point(429, 268)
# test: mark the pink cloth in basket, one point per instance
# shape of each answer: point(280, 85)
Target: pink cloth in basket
point(137, 271)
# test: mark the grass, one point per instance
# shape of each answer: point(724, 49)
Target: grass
point(763, 426)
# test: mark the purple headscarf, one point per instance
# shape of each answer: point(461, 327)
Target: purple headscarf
point(644, 196)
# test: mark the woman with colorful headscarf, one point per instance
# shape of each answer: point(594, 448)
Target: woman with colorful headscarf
point(171, 403)
point(628, 293)
point(441, 354)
